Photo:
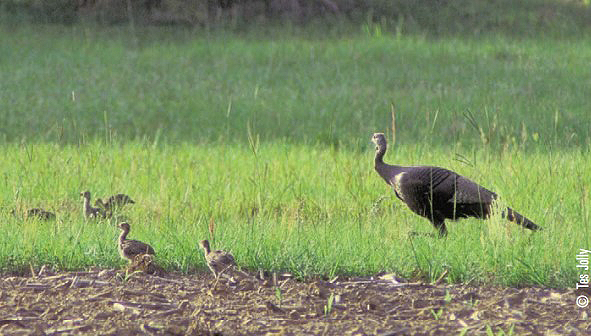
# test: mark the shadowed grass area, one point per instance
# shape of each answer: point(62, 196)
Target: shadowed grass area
point(303, 209)
point(66, 85)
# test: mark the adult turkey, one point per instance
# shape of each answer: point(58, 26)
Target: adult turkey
point(439, 194)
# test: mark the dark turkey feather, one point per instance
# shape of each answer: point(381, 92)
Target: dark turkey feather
point(115, 201)
point(439, 194)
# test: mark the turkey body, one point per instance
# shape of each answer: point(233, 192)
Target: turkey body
point(40, 214)
point(89, 211)
point(217, 260)
point(115, 201)
point(438, 194)
point(130, 248)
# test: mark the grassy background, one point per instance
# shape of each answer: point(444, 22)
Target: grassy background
point(70, 84)
point(266, 134)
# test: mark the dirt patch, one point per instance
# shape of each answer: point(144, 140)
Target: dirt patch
point(105, 302)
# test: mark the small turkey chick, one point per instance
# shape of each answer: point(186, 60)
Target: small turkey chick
point(218, 261)
point(40, 214)
point(130, 248)
point(115, 201)
point(89, 211)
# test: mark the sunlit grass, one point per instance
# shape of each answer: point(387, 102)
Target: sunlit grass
point(265, 139)
point(307, 210)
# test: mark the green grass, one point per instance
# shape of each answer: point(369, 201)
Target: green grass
point(82, 82)
point(298, 208)
point(267, 136)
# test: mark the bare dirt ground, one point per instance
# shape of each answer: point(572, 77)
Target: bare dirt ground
point(106, 302)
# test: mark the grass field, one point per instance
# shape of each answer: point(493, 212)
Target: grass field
point(266, 139)
point(193, 86)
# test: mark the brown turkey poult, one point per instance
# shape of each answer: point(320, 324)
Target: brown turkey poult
point(145, 263)
point(129, 248)
point(89, 211)
point(439, 194)
point(40, 214)
point(218, 261)
point(113, 202)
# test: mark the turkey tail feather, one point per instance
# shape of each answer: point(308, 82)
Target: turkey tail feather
point(518, 218)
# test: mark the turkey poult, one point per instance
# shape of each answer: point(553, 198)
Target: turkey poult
point(115, 201)
point(89, 211)
point(129, 248)
point(40, 214)
point(439, 194)
point(218, 261)
point(145, 263)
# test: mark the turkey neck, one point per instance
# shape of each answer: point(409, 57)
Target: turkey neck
point(123, 236)
point(385, 170)
point(379, 164)
point(86, 204)
point(207, 249)
point(379, 159)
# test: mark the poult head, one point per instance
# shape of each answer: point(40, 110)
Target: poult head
point(379, 139)
point(85, 194)
point(204, 244)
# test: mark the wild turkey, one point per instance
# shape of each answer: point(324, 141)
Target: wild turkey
point(89, 211)
point(437, 193)
point(129, 248)
point(218, 261)
point(115, 201)
point(40, 214)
